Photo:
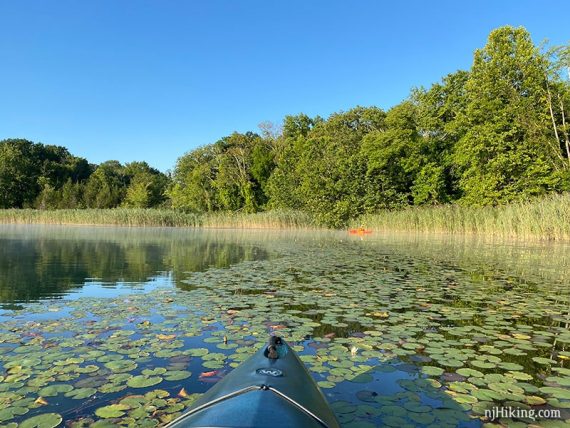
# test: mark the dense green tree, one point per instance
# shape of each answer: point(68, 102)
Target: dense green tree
point(147, 186)
point(393, 158)
point(299, 125)
point(18, 174)
point(262, 165)
point(318, 168)
point(106, 187)
point(439, 131)
point(282, 186)
point(49, 177)
point(56, 167)
point(234, 182)
point(507, 151)
point(192, 187)
point(332, 186)
point(71, 195)
point(229, 175)
point(31, 174)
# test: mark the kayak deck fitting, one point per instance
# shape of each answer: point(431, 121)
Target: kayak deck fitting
point(273, 388)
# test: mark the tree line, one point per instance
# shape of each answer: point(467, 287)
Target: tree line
point(49, 177)
point(496, 133)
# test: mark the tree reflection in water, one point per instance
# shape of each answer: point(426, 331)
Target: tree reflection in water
point(38, 262)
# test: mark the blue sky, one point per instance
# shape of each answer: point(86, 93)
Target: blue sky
point(150, 80)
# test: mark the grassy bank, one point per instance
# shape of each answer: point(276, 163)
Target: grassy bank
point(543, 218)
point(159, 217)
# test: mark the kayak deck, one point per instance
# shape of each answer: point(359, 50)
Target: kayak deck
point(264, 391)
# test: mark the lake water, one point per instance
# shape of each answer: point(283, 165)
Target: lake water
point(124, 327)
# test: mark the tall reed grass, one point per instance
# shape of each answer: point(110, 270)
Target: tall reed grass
point(279, 219)
point(543, 218)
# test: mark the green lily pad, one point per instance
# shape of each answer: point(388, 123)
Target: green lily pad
point(112, 411)
point(91, 368)
point(198, 352)
point(177, 375)
point(81, 393)
point(432, 370)
point(469, 372)
point(422, 418)
point(483, 364)
point(561, 381)
point(143, 381)
point(119, 366)
point(343, 407)
point(154, 372)
point(559, 393)
point(416, 407)
point(11, 412)
point(45, 420)
point(53, 390)
point(510, 366)
point(519, 375)
point(326, 384)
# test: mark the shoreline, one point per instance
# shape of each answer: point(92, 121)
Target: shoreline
point(541, 219)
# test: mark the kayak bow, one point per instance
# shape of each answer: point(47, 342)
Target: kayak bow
point(272, 388)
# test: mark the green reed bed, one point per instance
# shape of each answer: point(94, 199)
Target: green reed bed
point(280, 219)
point(544, 218)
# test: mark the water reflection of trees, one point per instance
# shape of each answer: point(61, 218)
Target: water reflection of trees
point(38, 262)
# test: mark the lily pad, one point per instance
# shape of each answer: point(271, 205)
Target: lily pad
point(432, 370)
point(11, 412)
point(326, 384)
point(469, 372)
point(143, 381)
point(112, 411)
point(177, 375)
point(81, 393)
point(119, 366)
point(559, 393)
point(45, 420)
point(55, 389)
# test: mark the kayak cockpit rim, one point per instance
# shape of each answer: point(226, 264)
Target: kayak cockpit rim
point(244, 391)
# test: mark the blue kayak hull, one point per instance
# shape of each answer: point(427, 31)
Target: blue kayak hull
point(263, 392)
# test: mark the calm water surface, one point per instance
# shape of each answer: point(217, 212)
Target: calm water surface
point(123, 327)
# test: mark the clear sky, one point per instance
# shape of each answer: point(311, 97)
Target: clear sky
point(150, 80)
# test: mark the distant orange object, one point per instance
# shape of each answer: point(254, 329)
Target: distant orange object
point(211, 377)
point(359, 231)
